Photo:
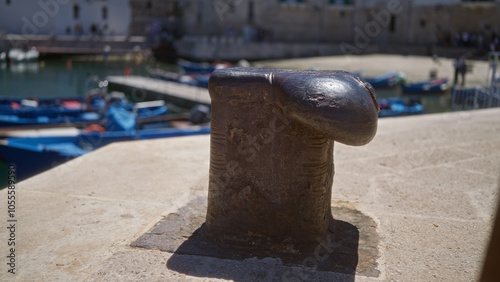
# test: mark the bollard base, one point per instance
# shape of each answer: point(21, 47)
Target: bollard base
point(351, 248)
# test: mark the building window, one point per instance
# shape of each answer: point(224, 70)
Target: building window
point(104, 13)
point(177, 9)
point(422, 23)
point(392, 24)
point(76, 11)
point(250, 11)
point(199, 14)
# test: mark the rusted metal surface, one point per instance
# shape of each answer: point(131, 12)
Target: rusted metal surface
point(271, 166)
point(491, 271)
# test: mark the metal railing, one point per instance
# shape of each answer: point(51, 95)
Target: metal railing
point(475, 98)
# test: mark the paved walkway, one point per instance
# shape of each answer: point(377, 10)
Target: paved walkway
point(417, 68)
point(430, 183)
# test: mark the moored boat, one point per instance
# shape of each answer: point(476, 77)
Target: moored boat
point(34, 114)
point(188, 67)
point(33, 155)
point(47, 120)
point(32, 106)
point(393, 107)
point(426, 87)
point(18, 55)
point(200, 80)
point(386, 80)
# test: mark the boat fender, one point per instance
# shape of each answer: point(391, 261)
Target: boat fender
point(94, 128)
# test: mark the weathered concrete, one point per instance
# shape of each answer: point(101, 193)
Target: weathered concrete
point(430, 183)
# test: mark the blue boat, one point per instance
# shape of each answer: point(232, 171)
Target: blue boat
point(31, 107)
point(48, 121)
point(51, 115)
point(163, 74)
point(195, 68)
point(37, 154)
point(51, 111)
point(200, 80)
point(386, 80)
point(200, 68)
point(393, 107)
point(426, 87)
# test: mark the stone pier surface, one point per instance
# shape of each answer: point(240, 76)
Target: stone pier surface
point(428, 184)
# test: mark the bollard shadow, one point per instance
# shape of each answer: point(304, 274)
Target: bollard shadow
point(335, 258)
point(350, 249)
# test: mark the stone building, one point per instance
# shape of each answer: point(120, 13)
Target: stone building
point(417, 22)
point(420, 22)
point(146, 13)
point(215, 28)
point(64, 17)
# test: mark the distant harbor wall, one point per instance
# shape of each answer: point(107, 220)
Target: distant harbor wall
point(69, 44)
point(234, 49)
point(210, 48)
point(204, 48)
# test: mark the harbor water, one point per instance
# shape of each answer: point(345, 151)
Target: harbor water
point(62, 78)
point(433, 103)
point(74, 78)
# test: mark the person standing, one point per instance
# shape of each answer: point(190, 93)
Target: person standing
point(463, 69)
point(456, 64)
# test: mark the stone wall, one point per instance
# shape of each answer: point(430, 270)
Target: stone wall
point(409, 22)
point(144, 13)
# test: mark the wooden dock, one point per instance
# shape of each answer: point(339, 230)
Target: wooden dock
point(139, 88)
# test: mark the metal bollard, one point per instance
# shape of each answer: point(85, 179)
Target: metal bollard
point(271, 153)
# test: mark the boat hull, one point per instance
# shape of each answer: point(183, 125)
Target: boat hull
point(426, 87)
point(34, 155)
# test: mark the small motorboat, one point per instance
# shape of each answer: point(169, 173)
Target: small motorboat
point(46, 121)
point(426, 87)
point(52, 107)
point(386, 80)
point(198, 79)
point(188, 67)
point(159, 73)
point(18, 55)
point(393, 107)
point(65, 112)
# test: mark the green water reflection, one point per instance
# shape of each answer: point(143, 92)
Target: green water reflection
point(433, 103)
point(56, 78)
point(59, 78)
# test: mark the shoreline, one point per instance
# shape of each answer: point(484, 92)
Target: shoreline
point(416, 68)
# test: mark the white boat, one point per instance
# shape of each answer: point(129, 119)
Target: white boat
point(18, 55)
